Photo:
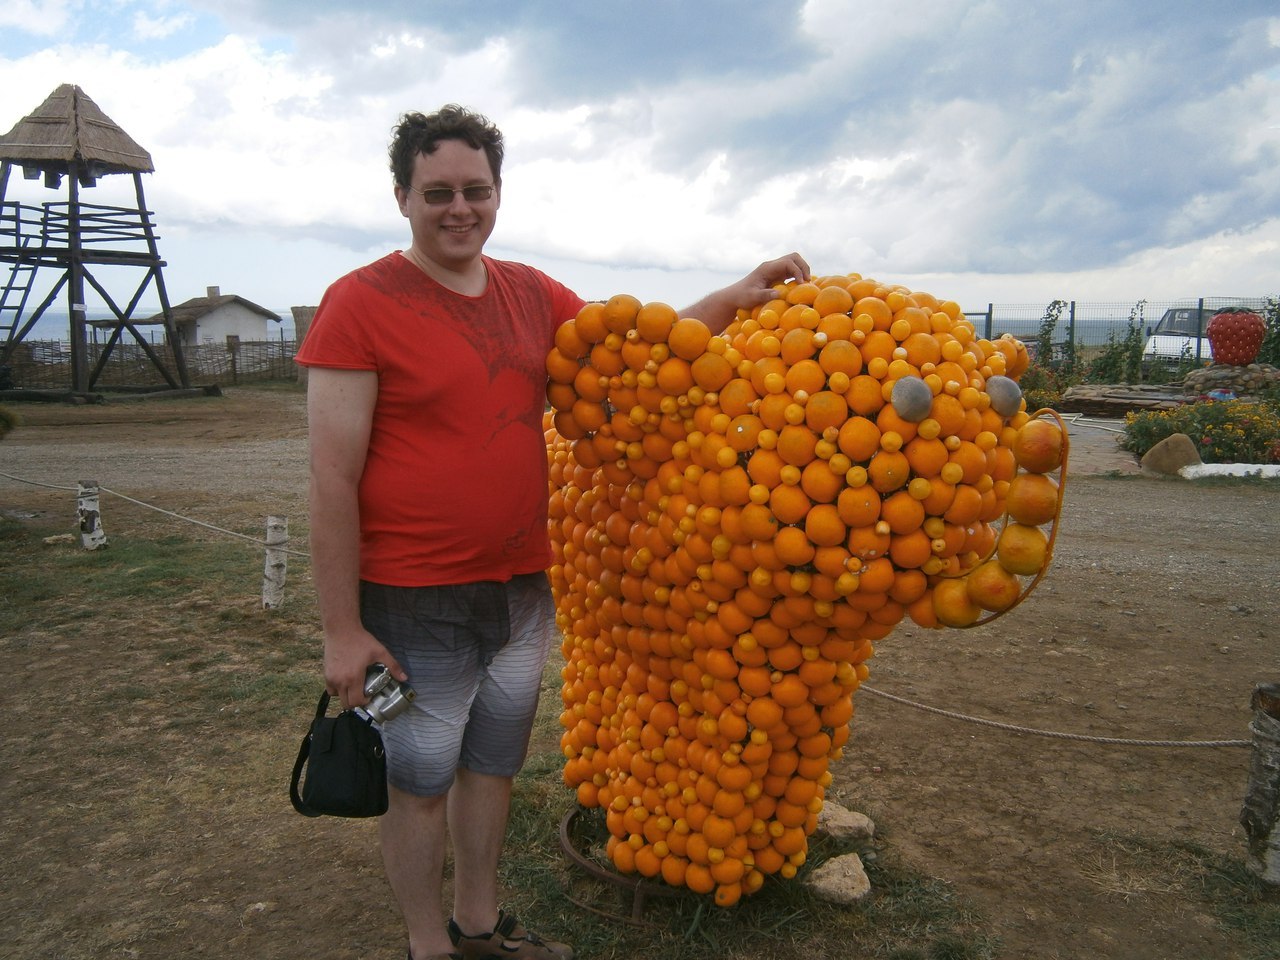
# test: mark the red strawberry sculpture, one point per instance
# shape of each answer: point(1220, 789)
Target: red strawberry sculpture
point(1236, 336)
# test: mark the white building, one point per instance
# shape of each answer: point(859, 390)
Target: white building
point(216, 316)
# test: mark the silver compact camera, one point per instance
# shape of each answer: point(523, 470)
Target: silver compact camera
point(388, 698)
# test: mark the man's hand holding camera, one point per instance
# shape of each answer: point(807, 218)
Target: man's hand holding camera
point(347, 661)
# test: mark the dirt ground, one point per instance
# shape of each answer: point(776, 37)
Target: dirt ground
point(1156, 621)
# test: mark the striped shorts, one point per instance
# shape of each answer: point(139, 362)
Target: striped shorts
point(474, 653)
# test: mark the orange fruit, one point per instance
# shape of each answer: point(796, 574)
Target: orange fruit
point(1032, 499)
point(674, 376)
point(568, 342)
point(858, 439)
point(790, 691)
point(619, 312)
point(926, 457)
point(824, 528)
point(797, 345)
point(864, 395)
point(858, 506)
point(736, 396)
point(840, 356)
point(1038, 446)
point(910, 550)
point(879, 312)
point(561, 368)
point(825, 409)
point(888, 470)
point(971, 460)
point(805, 375)
point(879, 345)
point(712, 372)
point(832, 299)
point(1022, 549)
point(992, 587)
point(764, 713)
point(965, 506)
point(796, 444)
point(902, 512)
point(949, 413)
point(803, 293)
point(820, 482)
point(793, 547)
point(688, 338)
point(590, 323)
point(789, 504)
point(654, 321)
point(952, 604)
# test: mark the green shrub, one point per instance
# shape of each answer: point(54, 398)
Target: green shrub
point(1270, 351)
point(1121, 359)
point(1232, 431)
point(1042, 387)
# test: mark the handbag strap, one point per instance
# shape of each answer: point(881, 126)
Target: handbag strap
point(304, 751)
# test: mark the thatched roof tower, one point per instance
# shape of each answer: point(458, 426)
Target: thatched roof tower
point(69, 137)
point(69, 130)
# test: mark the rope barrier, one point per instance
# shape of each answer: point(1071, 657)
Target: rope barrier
point(1080, 420)
point(1115, 741)
point(37, 483)
point(167, 513)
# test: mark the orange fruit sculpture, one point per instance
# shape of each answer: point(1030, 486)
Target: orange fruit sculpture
point(737, 519)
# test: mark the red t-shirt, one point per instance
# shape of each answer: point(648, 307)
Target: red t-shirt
point(454, 488)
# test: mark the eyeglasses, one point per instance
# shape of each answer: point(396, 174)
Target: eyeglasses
point(439, 196)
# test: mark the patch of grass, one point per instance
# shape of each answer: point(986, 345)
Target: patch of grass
point(1245, 907)
point(907, 917)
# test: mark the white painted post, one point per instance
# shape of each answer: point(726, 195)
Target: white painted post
point(92, 536)
point(273, 574)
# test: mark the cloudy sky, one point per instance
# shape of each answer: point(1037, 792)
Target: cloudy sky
point(998, 151)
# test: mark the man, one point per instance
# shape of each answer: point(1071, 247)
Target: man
point(428, 516)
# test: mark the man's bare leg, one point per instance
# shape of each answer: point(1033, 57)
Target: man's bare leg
point(478, 808)
point(414, 838)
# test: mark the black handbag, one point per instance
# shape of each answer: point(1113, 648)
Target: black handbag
point(346, 767)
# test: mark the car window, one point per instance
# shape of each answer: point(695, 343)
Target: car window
point(1184, 322)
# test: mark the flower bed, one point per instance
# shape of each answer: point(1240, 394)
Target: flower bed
point(1224, 431)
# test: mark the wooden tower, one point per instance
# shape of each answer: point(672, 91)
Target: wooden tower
point(68, 139)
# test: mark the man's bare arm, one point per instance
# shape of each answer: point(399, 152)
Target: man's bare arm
point(340, 413)
point(718, 309)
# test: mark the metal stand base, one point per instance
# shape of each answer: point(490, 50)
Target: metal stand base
point(639, 888)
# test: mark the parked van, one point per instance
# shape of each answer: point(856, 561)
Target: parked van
point(1178, 339)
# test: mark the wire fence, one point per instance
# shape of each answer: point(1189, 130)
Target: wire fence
point(1094, 324)
point(46, 364)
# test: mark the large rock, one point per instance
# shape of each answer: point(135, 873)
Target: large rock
point(844, 826)
point(1171, 454)
point(840, 880)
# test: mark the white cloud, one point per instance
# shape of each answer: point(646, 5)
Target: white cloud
point(147, 27)
point(43, 18)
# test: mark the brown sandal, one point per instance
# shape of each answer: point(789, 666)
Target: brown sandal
point(508, 941)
